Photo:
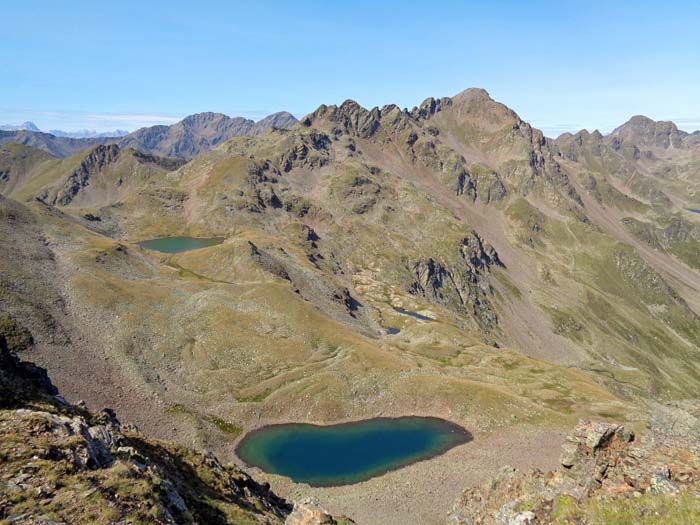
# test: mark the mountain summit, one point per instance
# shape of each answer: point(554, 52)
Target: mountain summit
point(645, 131)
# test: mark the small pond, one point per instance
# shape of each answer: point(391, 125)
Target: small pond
point(693, 210)
point(179, 244)
point(348, 453)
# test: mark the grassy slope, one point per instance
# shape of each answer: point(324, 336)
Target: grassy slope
point(212, 334)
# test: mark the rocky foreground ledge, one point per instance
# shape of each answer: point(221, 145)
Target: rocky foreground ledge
point(61, 464)
point(606, 476)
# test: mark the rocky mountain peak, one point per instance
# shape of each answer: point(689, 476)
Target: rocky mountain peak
point(472, 94)
point(350, 118)
point(475, 108)
point(469, 102)
point(281, 119)
point(350, 106)
point(30, 126)
point(647, 132)
point(430, 106)
point(203, 118)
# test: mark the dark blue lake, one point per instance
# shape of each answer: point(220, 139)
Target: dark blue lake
point(179, 244)
point(348, 453)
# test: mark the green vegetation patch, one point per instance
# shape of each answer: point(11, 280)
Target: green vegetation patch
point(225, 426)
point(646, 509)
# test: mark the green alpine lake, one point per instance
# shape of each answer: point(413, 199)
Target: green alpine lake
point(333, 455)
point(179, 244)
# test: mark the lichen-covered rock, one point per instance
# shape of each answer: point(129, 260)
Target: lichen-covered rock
point(308, 512)
point(602, 466)
point(463, 285)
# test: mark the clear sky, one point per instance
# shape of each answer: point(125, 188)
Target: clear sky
point(562, 65)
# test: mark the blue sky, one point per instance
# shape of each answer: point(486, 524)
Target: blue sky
point(561, 65)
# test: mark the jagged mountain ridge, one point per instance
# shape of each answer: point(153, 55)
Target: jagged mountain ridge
point(201, 132)
point(649, 170)
point(527, 298)
point(185, 139)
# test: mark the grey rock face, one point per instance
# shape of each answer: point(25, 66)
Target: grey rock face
point(89, 167)
point(463, 285)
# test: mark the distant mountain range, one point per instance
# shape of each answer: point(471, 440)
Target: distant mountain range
point(80, 134)
point(88, 134)
point(191, 136)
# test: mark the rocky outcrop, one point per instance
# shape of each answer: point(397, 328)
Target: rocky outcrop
point(430, 106)
point(602, 467)
point(314, 287)
point(573, 147)
point(89, 167)
point(20, 380)
point(267, 186)
point(462, 286)
point(676, 235)
point(309, 512)
point(352, 120)
point(479, 255)
point(305, 150)
point(166, 163)
point(360, 193)
point(349, 118)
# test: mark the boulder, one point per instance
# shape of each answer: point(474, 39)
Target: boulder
point(308, 512)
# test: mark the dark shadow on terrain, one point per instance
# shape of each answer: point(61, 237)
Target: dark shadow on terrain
point(415, 315)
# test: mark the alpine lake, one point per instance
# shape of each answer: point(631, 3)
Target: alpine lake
point(347, 453)
point(342, 454)
point(179, 244)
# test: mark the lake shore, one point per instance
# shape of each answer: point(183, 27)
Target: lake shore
point(424, 492)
